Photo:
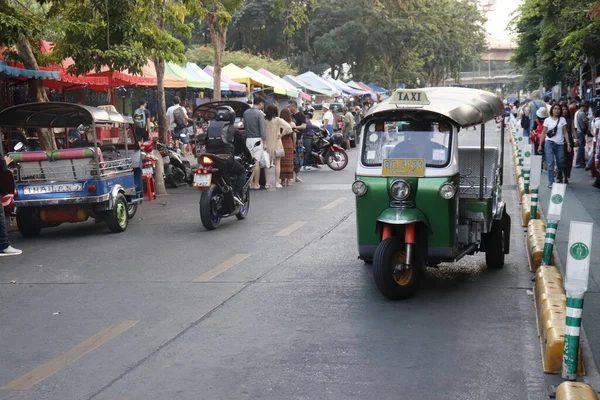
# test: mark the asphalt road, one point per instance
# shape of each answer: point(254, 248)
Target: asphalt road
point(293, 314)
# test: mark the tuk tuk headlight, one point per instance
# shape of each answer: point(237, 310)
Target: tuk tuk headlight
point(447, 190)
point(359, 188)
point(400, 189)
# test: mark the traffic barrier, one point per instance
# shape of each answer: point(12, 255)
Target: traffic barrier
point(536, 237)
point(521, 184)
point(526, 210)
point(575, 391)
point(551, 304)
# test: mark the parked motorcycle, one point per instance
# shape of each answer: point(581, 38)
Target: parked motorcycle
point(178, 169)
point(216, 199)
point(325, 151)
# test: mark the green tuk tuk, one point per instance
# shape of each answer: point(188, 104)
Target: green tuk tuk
point(421, 199)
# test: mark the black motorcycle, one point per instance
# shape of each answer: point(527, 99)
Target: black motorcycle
point(326, 152)
point(217, 198)
point(178, 169)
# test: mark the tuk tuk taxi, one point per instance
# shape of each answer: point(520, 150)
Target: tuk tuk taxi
point(421, 198)
point(95, 173)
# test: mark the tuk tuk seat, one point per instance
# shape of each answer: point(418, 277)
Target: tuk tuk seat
point(468, 162)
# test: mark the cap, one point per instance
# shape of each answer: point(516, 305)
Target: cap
point(541, 112)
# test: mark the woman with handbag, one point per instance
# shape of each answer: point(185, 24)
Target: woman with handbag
point(275, 129)
point(288, 141)
point(553, 139)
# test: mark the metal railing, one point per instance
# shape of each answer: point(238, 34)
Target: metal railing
point(70, 170)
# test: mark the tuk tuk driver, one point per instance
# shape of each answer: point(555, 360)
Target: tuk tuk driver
point(419, 143)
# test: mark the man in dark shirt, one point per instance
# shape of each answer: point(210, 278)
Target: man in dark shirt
point(7, 186)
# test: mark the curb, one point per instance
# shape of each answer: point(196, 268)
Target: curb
point(536, 236)
point(526, 210)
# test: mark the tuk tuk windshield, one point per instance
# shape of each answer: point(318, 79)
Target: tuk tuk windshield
point(429, 140)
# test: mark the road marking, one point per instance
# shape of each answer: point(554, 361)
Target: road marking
point(334, 203)
point(42, 372)
point(219, 269)
point(293, 227)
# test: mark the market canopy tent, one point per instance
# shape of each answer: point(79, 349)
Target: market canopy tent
point(378, 89)
point(7, 71)
point(191, 81)
point(317, 82)
point(170, 81)
point(225, 80)
point(195, 71)
point(268, 82)
point(358, 86)
point(288, 86)
point(300, 84)
point(241, 76)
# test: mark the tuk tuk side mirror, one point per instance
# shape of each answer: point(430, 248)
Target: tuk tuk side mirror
point(19, 146)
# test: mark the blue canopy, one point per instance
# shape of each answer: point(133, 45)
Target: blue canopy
point(27, 73)
point(378, 89)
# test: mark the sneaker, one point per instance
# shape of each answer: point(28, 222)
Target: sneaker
point(307, 168)
point(10, 251)
point(550, 185)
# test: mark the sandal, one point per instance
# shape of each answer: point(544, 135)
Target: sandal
point(298, 179)
point(278, 185)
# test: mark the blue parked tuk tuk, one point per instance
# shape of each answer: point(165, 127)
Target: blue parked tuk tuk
point(96, 172)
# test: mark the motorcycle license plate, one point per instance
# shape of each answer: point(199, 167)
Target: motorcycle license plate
point(148, 171)
point(202, 180)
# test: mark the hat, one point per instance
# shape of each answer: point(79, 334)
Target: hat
point(541, 112)
point(326, 105)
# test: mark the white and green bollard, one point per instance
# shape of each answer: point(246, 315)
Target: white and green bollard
point(576, 284)
point(554, 210)
point(535, 179)
point(526, 166)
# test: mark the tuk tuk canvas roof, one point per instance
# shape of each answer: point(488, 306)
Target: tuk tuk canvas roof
point(233, 86)
point(56, 115)
point(466, 107)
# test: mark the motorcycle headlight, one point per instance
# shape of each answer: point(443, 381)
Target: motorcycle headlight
point(447, 190)
point(400, 189)
point(359, 188)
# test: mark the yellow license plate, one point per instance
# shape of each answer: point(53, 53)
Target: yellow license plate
point(408, 167)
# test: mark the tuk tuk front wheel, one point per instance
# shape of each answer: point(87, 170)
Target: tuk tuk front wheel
point(395, 285)
point(117, 218)
point(28, 222)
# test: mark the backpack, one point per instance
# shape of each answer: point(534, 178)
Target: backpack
point(525, 121)
point(219, 138)
point(179, 117)
point(139, 118)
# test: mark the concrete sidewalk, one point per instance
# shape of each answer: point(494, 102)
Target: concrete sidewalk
point(582, 203)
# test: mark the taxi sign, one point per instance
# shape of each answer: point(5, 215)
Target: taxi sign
point(410, 97)
point(407, 167)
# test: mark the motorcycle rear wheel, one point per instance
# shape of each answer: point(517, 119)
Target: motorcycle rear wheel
point(170, 177)
point(209, 213)
point(338, 160)
point(244, 211)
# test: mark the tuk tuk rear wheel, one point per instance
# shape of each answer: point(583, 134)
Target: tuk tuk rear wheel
point(395, 285)
point(117, 219)
point(28, 222)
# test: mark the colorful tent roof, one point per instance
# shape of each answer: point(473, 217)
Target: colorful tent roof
point(288, 86)
point(124, 78)
point(170, 81)
point(316, 81)
point(268, 82)
point(197, 72)
point(300, 84)
point(225, 80)
point(191, 80)
point(6, 70)
point(378, 89)
point(241, 76)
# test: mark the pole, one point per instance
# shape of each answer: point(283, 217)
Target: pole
point(482, 161)
point(576, 283)
point(553, 217)
point(536, 174)
point(502, 131)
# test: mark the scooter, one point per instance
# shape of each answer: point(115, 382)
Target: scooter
point(324, 151)
point(178, 169)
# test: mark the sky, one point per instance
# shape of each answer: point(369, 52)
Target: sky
point(499, 19)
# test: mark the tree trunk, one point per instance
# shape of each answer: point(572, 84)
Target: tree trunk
point(218, 39)
point(37, 92)
point(161, 106)
point(592, 62)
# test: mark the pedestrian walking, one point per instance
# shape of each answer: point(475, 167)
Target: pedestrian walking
point(276, 128)
point(523, 115)
point(300, 122)
point(348, 126)
point(327, 119)
point(7, 186)
point(553, 142)
point(254, 127)
point(178, 120)
point(141, 121)
point(594, 128)
point(569, 153)
point(289, 144)
point(582, 127)
point(533, 107)
point(536, 133)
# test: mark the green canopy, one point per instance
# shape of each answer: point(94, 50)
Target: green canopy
point(192, 81)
